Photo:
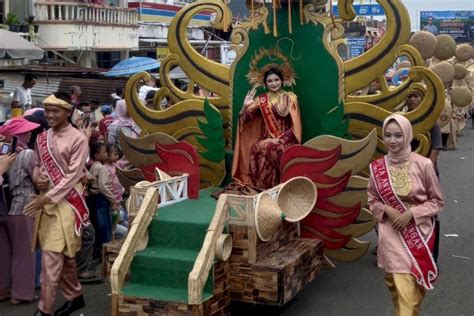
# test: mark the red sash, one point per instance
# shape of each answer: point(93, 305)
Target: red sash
point(419, 249)
point(268, 117)
point(55, 175)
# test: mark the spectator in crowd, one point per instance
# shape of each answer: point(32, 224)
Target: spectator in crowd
point(75, 95)
point(122, 123)
point(150, 85)
point(149, 99)
point(107, 119)
point(430, 27)
point(117, 96)
point(86, 108)
point(101, 200)
point(95, 104)
point(97, 137)
point(412, 102)
point(17, 266)
point(113, 155)
point(58, 225)
point(22, 95)
point(38, 118)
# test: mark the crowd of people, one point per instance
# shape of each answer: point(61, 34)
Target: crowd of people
point(60, 190)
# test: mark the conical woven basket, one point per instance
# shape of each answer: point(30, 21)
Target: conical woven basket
point(267, 216)
point(297, 198)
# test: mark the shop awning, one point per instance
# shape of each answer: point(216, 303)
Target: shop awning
point(15, 47)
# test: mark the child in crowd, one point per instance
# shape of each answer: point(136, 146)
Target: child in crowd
point(101, 200)
point(117, 189)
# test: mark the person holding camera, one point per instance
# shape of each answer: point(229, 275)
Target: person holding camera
point(17, 267)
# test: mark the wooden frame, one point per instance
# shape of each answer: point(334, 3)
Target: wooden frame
point(171, 191)
point(136, 234)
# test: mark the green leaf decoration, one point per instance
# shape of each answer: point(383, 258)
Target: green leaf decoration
point(213, 116)
point(333, 120)
point(213, 132)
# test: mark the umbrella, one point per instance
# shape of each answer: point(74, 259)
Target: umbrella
point(132, 66)
point(16, 47)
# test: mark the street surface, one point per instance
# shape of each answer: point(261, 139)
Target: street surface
point(358, 288)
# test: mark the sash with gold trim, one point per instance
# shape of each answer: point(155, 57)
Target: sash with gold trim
point(268, 116)
point(419, 249)
point(55, 175)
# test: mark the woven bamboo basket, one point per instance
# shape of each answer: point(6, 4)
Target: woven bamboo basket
point(425, 42)
point(297, 198)
point(446, 47)
point(464, 52)
point(445, 71)
point(460, 72)
point(461, 96)
point(223, 247)
point(268, 216)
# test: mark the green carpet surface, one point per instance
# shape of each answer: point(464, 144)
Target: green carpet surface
point(176, 235)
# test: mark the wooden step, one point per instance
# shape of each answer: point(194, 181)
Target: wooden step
point(147, 300)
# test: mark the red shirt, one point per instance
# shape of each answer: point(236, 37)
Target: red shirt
point(104, 124)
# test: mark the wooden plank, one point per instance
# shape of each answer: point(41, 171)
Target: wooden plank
point(137, 230)
point(202, 265)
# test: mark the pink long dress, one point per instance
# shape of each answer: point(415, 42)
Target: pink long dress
point(426, 201)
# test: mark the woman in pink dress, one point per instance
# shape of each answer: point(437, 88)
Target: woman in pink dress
point(404, 196)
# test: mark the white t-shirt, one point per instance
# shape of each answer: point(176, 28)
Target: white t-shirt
point(144, 91)
point(23, 97)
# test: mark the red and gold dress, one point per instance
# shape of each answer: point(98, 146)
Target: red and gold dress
point(270, 126)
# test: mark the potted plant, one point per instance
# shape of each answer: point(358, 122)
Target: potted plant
point(24, 28)
point(13, 22)
point(31, 22)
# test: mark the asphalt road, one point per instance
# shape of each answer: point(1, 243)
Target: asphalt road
point(358, 288)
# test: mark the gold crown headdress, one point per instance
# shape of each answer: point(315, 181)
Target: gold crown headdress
point(256, 76)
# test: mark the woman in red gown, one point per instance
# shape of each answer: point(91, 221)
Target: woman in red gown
point(267, 126)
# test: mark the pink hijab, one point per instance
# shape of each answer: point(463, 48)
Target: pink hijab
point(122, 118)
point(407, 131)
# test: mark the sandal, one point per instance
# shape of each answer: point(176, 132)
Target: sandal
point(89, 277)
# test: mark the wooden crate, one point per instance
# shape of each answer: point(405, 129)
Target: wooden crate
point(110, 252)
point(284, 265)
point(218, 304)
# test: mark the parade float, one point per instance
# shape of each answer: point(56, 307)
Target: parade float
point(190, 253)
